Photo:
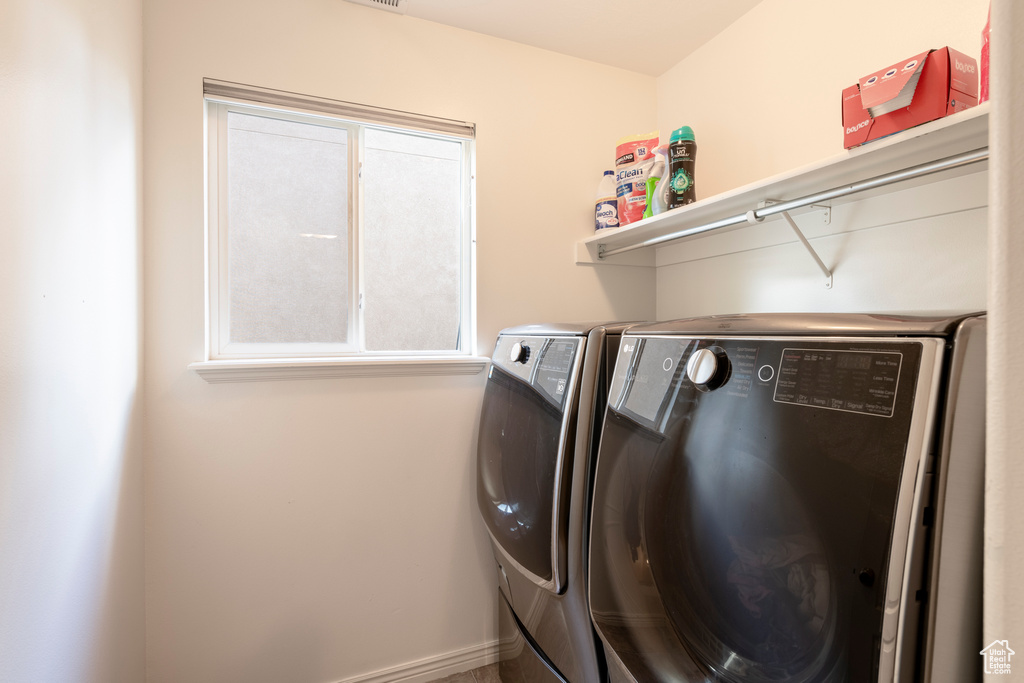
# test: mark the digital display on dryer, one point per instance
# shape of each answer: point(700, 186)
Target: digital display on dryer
point(554, 370)
point(854, 361)
point(853, 381)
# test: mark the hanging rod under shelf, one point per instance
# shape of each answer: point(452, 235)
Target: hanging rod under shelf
point(756, 215)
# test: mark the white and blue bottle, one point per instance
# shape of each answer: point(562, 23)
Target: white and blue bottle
point(606, 208)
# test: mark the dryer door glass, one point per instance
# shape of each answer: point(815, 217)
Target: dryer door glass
point(523, 437)
point(742, 534)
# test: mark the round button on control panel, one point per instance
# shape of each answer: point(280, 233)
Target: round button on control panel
point(765, 373)
point(702, 366)
point(708, 368)
point(520, 353)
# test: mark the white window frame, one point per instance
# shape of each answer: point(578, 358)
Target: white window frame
point(227, 362)
point(220, 347)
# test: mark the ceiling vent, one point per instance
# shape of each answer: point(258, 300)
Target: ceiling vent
point(396, 6)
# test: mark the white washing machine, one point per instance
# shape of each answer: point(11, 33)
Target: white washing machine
point(545, 395)
point(792, 498)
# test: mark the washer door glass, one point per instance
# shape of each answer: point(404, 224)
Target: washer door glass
point(739, 536)
point(522, 468)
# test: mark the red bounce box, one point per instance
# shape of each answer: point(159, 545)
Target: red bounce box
point(923, 88)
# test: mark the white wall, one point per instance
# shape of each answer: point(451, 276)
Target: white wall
point(71, 555)
point(320, 530)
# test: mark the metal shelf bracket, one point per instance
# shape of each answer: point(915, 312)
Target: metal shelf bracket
point(824, 211)
point(810, 249)
point(754, 218)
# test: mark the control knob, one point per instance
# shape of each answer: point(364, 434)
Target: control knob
point(708, 368)
point(520, 353)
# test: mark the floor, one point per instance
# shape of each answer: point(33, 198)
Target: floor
point(485, 674)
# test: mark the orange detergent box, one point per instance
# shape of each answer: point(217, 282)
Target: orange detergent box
point(922, 88)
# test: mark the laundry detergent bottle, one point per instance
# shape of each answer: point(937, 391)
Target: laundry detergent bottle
point(682, 155)
point(606, 208)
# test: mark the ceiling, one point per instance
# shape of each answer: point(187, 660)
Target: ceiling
point(645, 36)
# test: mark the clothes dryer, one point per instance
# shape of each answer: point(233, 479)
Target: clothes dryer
point(545, 396)
point(792, 498)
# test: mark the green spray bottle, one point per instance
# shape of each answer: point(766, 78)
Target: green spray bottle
point(659, 171)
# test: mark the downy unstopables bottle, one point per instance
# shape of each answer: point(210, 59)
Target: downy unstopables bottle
point(682, 155)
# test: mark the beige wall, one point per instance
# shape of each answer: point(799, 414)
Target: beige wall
point(71, 546)
point(764, 98)
point(319, 530)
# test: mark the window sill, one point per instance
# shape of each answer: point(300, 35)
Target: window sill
point(269, 370)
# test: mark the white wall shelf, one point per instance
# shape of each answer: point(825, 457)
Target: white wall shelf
point(951, 136)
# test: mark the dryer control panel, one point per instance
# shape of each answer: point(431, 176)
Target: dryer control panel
point(548, 364)
point(855, 381)
point(849, 375)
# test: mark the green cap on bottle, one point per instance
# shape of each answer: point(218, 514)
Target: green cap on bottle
point(684, 133)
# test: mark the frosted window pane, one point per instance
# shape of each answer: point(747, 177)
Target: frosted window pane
point(288, 231)
point(412, 223)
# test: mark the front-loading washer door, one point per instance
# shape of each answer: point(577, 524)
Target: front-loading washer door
point(523, 473)
point(743, 533)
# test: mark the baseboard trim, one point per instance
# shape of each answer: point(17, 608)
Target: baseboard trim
point(430, 668)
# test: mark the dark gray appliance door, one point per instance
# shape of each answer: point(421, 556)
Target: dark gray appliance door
point(742, 534)
point(519, 658)
point(522, 472)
